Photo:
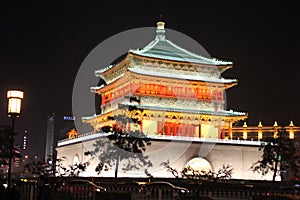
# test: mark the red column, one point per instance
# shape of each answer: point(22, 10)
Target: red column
point(179, 133)
point(167, 128)
point(141, 126)
point(176, 129)
point(184, 130)
point(159, 89)
point(110, 97)
point(159, 128)
point(205, 96)
point(103, 99)
point(192, 130)
point(128, 127)
point(200, 92)
point(169, 92)
point(171, 128)
point(223, 133)
point(181, 91)
point(188, 130)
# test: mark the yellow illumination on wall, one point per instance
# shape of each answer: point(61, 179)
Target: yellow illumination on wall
point(199, 164)
point(150, 127)
point(291, 131)
point(230, 130)
point(275, 130)
point(209, 131)
point(259, 131)
point(245, 132)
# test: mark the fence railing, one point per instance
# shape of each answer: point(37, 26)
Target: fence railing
point(32, 191)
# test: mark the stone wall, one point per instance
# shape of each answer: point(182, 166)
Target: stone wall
point(179, 153)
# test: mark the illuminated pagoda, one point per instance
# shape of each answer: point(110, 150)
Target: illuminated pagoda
point(182, 93)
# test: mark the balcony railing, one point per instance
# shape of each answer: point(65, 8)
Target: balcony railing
point(244, 135)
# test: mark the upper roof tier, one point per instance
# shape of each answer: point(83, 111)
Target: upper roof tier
point(163, 48)
point(162, 55)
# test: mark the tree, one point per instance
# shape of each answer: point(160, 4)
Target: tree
point(5, 141)
point(37, 168)
point(123, 144)
point(277, 152)
point(224, 173)
point(71, 170)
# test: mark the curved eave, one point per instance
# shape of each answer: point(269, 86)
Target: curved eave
point(203, 115)
point(220, 67)
point(115, 83)
point(223, 113)
point(95, 89)
point(101, 118)
point(200, 112)
point(228, 82)
point(101, 72)
point(86, 119)
point(229, 85)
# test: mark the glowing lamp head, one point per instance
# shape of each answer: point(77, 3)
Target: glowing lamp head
point(15, 98)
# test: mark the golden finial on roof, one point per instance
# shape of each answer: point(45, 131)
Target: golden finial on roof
point(245, 125)
point(160, 25)
point(160, 30)
point(291, 123)
point(275, 123)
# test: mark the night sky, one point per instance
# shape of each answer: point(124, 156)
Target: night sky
point(42, 46)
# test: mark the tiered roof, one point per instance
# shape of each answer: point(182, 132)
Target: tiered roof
point(163, 48)
point(185, 65)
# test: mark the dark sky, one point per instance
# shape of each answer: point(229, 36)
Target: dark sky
point(42, 45)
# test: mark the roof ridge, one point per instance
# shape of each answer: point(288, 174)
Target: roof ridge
point(195, 54)
point(147, 47)
point(163, 48)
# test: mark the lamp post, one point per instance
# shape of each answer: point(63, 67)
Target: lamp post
point(14, 98)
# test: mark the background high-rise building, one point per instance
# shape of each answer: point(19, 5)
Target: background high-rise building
point(50, 136)
point(25, 140)
point(57, 128)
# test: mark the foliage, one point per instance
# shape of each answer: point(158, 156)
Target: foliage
point(175, 172)
point(121, 144)
point(148, 174)
point(5, 142)
point(202, 176)
point(279, 152)
point(38, 168)
point(268, 158)
point(71, 170)
point(111, 150)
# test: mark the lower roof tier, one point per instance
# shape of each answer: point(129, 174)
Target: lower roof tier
point(188, 115)
point(163, 79)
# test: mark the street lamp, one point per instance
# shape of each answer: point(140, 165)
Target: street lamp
point(14, 110)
